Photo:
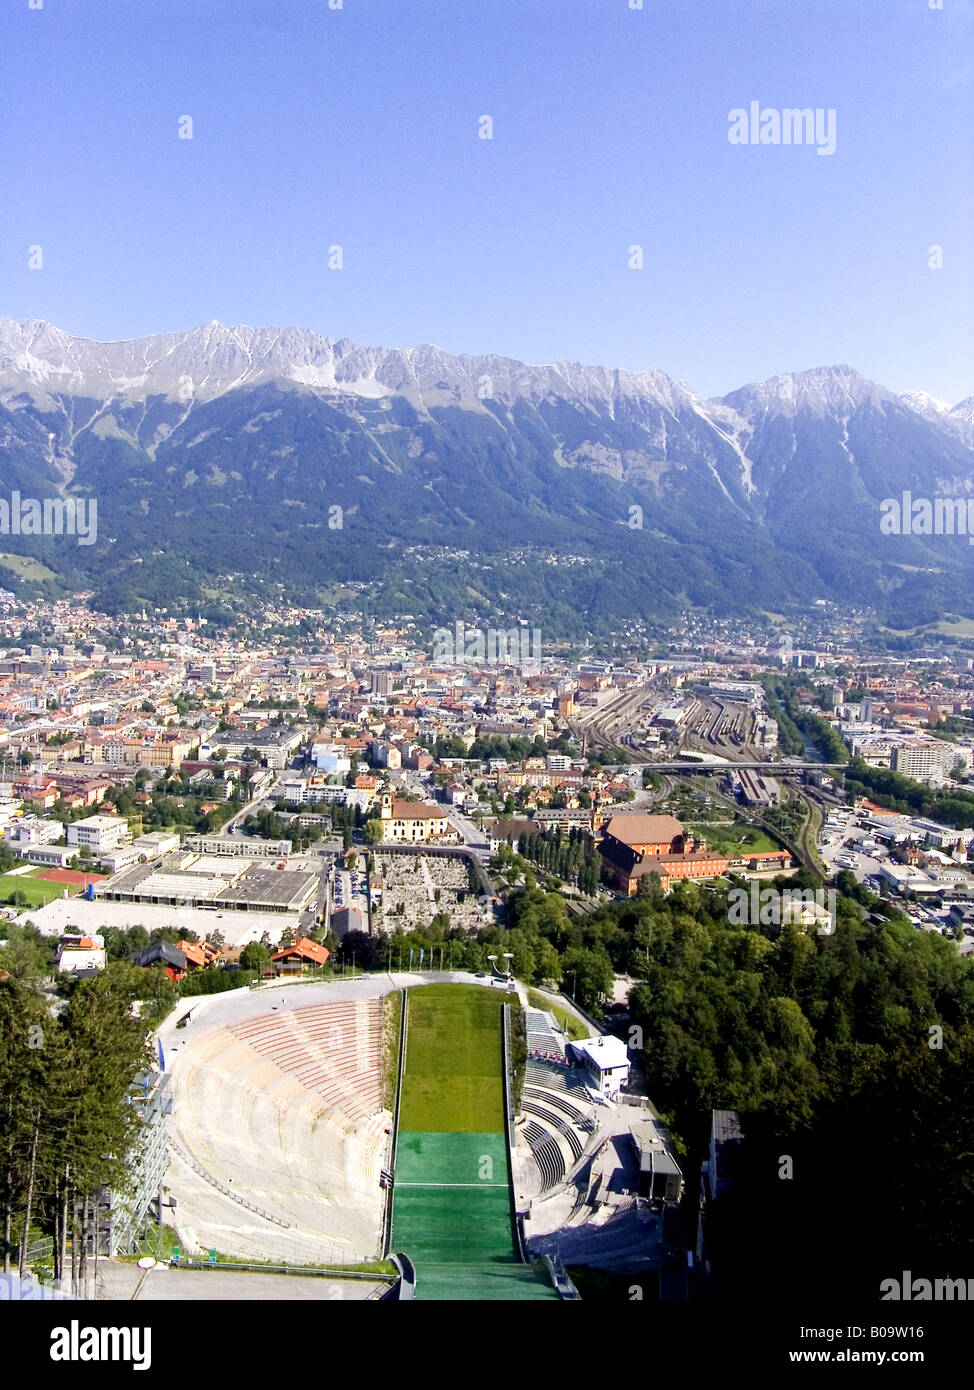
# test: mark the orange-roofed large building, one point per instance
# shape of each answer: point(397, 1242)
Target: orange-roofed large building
point(302, 954)
point(634, 846)
point(647, 834)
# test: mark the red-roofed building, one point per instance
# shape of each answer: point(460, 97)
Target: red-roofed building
point(43, 791)
point(195, 953)
point(638, 844)
point(303, 953)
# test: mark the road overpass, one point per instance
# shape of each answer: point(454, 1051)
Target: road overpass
point(772, 769)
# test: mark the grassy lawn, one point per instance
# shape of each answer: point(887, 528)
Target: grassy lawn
point(391, 1018)
point(453, 1060)
point(35, 891)
point(566, 1021)
point(810, 833)
point(25, 567)
point(379, 1267)
point(734, 840)
point(147, 1245)
point(955, 627)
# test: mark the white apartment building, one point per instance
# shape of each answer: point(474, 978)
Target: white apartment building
point(874, 749)
point(297, 791)
point(99, 833)
point(34, 830)
point(923, 758)
point(387, 755)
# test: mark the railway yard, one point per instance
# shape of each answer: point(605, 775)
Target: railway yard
point(728, 728)
point(644, 719)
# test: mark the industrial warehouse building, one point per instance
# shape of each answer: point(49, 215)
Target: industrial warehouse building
point(753, 788)
point(188, 879)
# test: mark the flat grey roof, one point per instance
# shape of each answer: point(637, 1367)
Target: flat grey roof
point(265, 886)
point(727, 1126)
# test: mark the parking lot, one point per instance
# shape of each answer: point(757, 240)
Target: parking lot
point(840, 826)
point(348, 889)
point(837, 855)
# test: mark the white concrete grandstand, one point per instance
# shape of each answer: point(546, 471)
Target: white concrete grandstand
point(278, 1131)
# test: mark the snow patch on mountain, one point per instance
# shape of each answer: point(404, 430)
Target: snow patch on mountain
point(923, 404)
point(211, 359)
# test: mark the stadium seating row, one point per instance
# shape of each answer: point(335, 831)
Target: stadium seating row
point(575, 1113)
point(280, 1135)
point(334, 1049)
point(556, 1123)
point(547, 1154)
point(554, 1078)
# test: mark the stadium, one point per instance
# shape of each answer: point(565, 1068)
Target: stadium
point(370, 1124)
point(279, 1134)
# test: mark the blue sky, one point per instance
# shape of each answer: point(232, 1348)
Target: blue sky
point(359, 127)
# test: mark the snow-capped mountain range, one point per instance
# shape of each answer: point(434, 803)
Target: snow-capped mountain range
point(192, 441)
point(211, 359)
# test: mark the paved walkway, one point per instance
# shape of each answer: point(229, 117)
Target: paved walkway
point(428, 879)
point(117, 1280)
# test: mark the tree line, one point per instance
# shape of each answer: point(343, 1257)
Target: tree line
point(67, 1076)
point(949, 805)
point(570, 858)
point(849, 1059)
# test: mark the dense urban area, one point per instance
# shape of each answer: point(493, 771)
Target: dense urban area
point(721, 880)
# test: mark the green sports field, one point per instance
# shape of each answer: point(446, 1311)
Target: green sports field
point(453, 1061)
point(452, 1213)
point(35, 892)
